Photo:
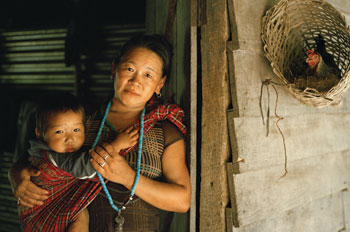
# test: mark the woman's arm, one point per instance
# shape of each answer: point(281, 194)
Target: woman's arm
point(172, 195)
point(22, 187)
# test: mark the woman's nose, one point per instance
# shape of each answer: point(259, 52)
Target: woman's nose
point(136, 78)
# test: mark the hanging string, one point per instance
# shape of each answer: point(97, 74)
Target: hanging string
point(109, 197)
point(266, 83)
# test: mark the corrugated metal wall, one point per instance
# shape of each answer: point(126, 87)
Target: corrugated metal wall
point(36, 60)
point(33, 61)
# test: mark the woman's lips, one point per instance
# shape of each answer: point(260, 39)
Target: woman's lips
point(131, 92)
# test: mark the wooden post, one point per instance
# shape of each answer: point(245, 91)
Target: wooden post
point(193, 118)
point(215, 148)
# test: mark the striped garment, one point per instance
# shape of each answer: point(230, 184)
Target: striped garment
point(69, 195)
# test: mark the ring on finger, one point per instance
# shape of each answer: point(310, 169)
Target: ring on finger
point(18, 201)
point(103, 164)
point(105, 158)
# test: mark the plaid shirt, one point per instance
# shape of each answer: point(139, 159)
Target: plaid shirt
point(69, 195)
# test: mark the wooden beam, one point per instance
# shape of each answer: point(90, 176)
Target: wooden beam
point(346, 204)
point(232, 80)
point(215, 101)
point(193, 129)
point(232, 211)
point(229, 222)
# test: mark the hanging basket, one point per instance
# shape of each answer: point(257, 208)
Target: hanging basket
point(289, 30)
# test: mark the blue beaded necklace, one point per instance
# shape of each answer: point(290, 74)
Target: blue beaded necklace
point(119, 219)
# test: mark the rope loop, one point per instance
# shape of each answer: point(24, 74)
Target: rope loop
point(266, 83)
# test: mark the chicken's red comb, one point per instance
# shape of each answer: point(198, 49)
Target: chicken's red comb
point(310, 52)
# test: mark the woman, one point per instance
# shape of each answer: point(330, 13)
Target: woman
point(139, 74)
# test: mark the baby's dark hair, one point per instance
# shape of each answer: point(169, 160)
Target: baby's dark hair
point(155, 43)
point(51, 104)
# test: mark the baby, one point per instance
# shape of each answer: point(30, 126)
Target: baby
point(56, 152)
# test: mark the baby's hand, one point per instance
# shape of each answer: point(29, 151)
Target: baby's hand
point(125, 138)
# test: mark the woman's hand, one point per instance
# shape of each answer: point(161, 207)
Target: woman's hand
point(112, 166)
point(172, 195)
point(25, 191)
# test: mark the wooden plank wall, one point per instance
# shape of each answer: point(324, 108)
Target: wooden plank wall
point(314, 195)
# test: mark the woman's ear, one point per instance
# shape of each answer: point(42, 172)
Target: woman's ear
point(113, 70)
point(160, 85)
point(37, 133)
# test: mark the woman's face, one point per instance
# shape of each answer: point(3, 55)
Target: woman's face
point(138, 77)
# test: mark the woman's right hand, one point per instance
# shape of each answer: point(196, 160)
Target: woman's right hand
point(25, 191)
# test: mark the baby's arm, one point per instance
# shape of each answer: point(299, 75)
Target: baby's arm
point(77, 164)
point(125, 138)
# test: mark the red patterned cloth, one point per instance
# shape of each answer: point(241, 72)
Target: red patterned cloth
point(171, 112)
point(69, 195)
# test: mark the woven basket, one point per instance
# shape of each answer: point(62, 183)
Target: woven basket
point(289, 29)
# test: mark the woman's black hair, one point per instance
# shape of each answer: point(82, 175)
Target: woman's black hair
point(154, 42)
point(51, 104)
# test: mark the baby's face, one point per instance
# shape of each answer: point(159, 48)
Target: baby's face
point(65, 132)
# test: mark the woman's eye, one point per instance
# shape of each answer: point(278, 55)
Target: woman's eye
point(76, 130)
point(148, 75)
point(59, 132)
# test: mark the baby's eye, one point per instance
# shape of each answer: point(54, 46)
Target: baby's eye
point(130, 69)
point(59, 132)
point(76, 130)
